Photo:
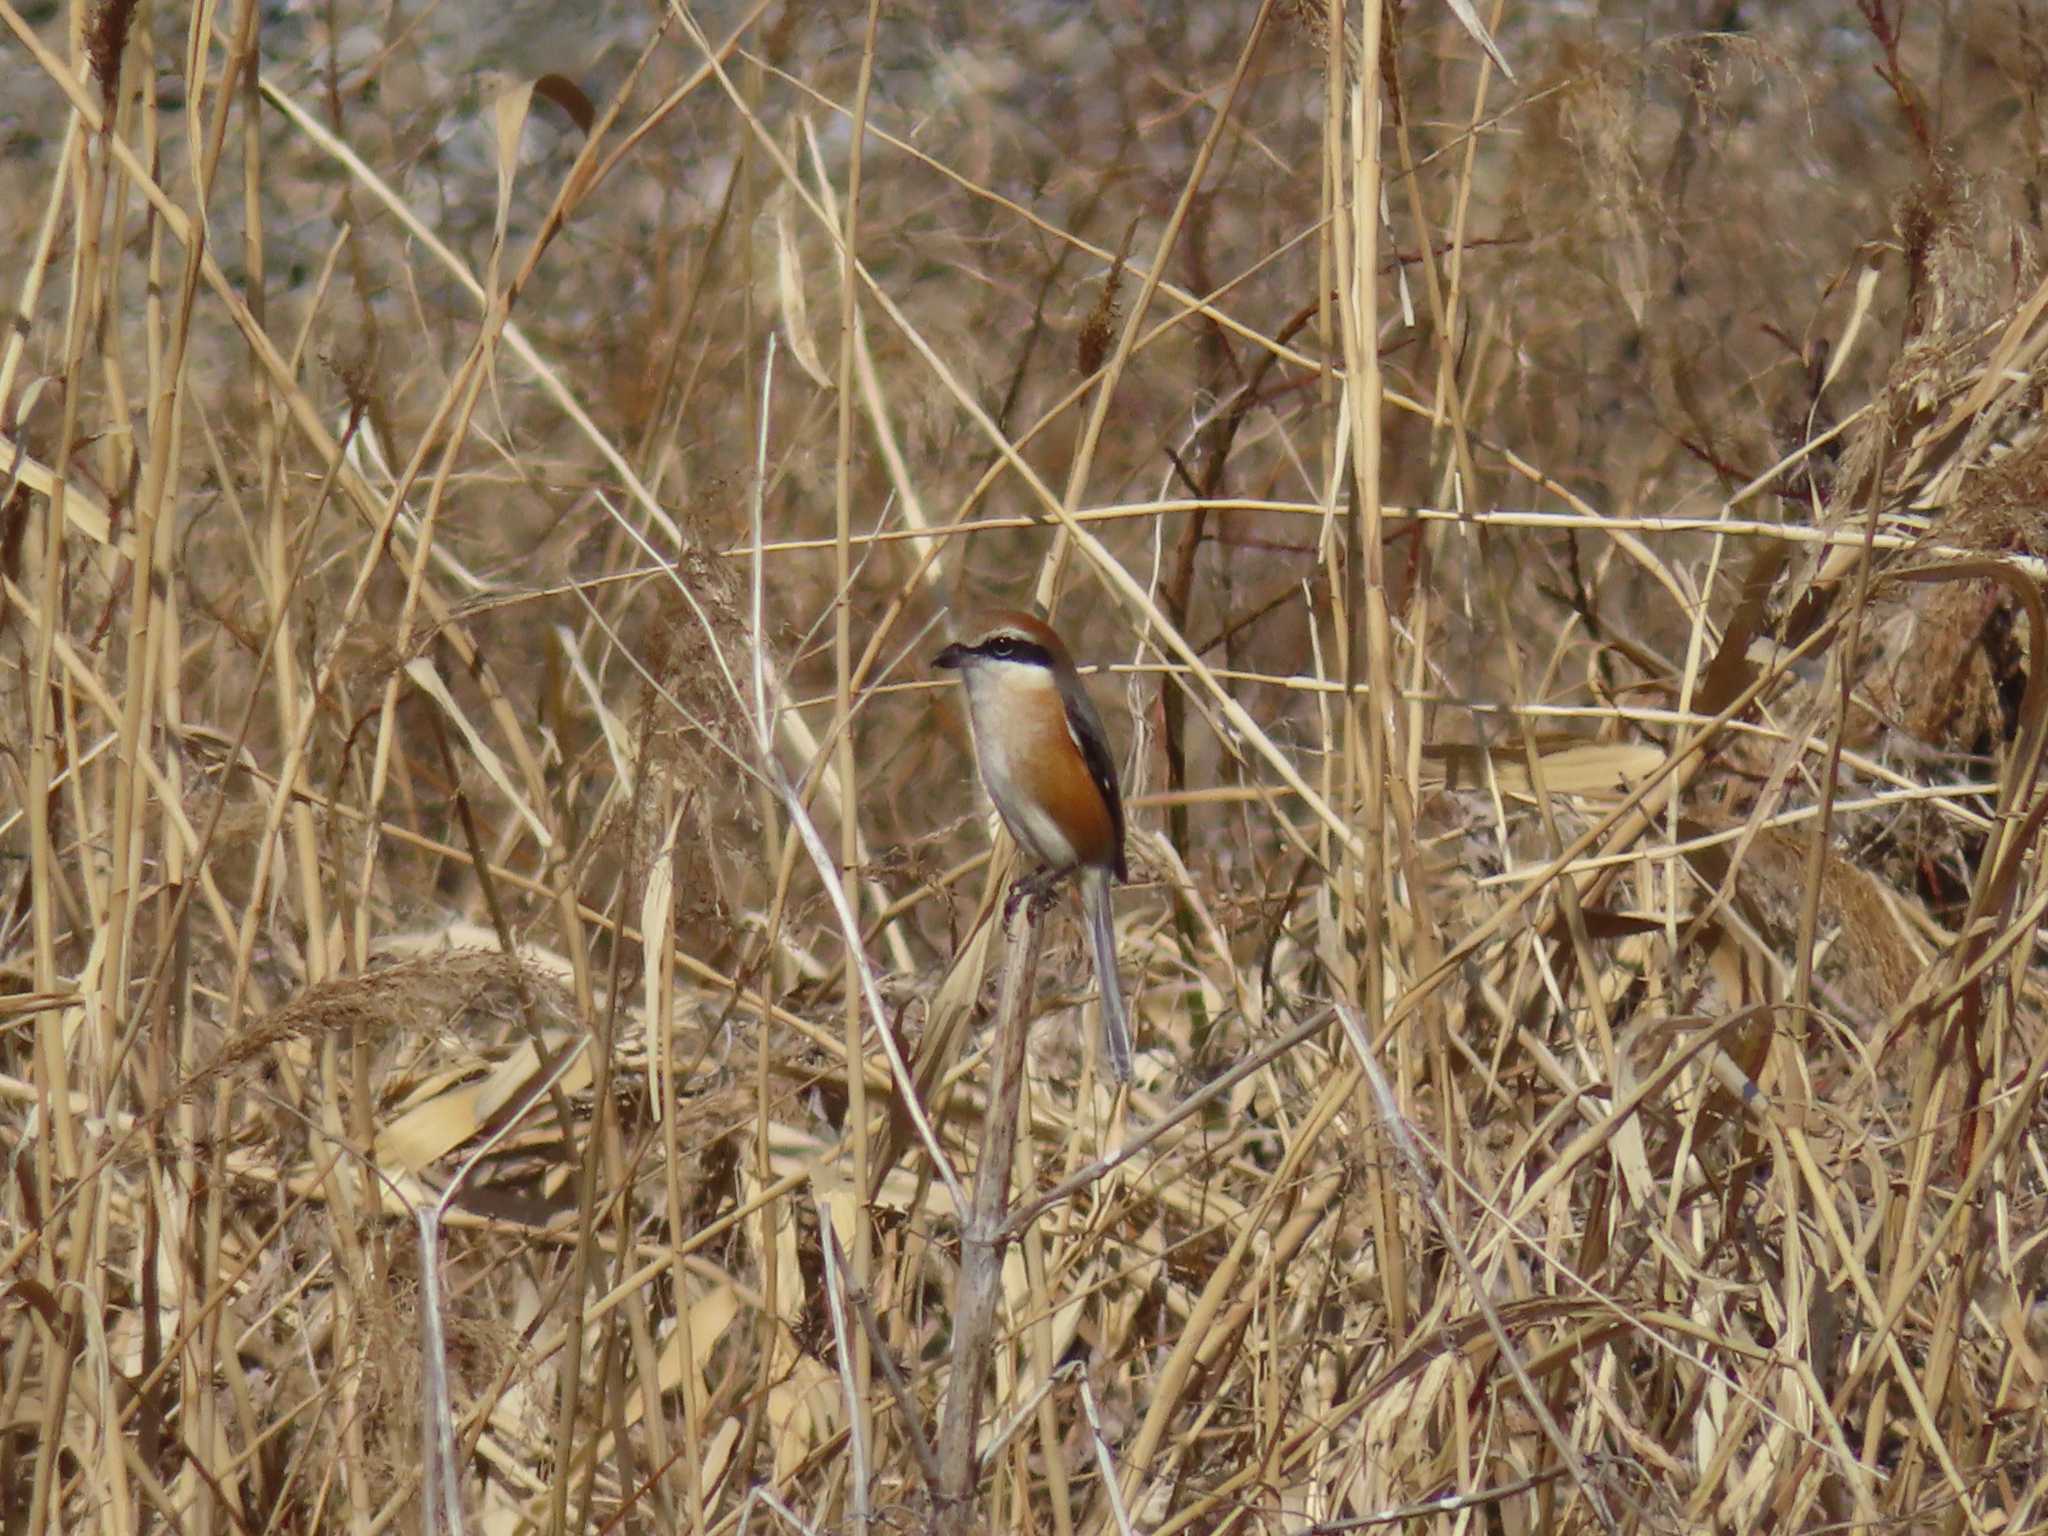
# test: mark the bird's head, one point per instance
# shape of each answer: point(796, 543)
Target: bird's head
point(1005, 639)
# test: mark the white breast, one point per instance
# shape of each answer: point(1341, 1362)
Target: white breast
point(1006, 702)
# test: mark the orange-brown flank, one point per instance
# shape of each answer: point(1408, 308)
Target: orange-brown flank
point(1060, 783)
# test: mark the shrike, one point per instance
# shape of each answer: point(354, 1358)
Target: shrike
point(1045, 762)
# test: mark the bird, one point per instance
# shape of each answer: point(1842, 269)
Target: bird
point(1044, 760)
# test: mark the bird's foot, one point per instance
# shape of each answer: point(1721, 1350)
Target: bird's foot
point(1034, 892)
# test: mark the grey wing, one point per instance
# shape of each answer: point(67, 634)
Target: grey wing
point(1085, 726)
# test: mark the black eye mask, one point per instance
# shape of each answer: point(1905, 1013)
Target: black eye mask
point(1010, 648)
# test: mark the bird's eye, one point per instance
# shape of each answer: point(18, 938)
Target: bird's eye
point(1002, 646)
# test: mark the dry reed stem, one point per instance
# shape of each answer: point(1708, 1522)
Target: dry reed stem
point(983, 1237)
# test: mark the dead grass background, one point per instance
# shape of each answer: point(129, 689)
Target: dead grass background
point(1566, 556)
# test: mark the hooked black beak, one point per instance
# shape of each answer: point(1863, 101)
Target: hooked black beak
point(951, 656)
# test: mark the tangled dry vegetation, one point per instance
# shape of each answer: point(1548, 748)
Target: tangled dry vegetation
point(486, 873)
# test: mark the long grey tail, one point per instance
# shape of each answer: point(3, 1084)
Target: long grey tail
point(1116, 1024)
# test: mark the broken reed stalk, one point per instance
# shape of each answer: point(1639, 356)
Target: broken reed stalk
point(982, 1235)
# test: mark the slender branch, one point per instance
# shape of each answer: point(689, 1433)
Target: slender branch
point(983, 1236)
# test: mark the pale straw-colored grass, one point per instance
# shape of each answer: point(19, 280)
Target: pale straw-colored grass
point(501, 978)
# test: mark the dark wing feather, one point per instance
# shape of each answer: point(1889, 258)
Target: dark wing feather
point(1085, 726)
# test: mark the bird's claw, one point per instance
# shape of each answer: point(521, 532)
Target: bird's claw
point(1033, 892)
